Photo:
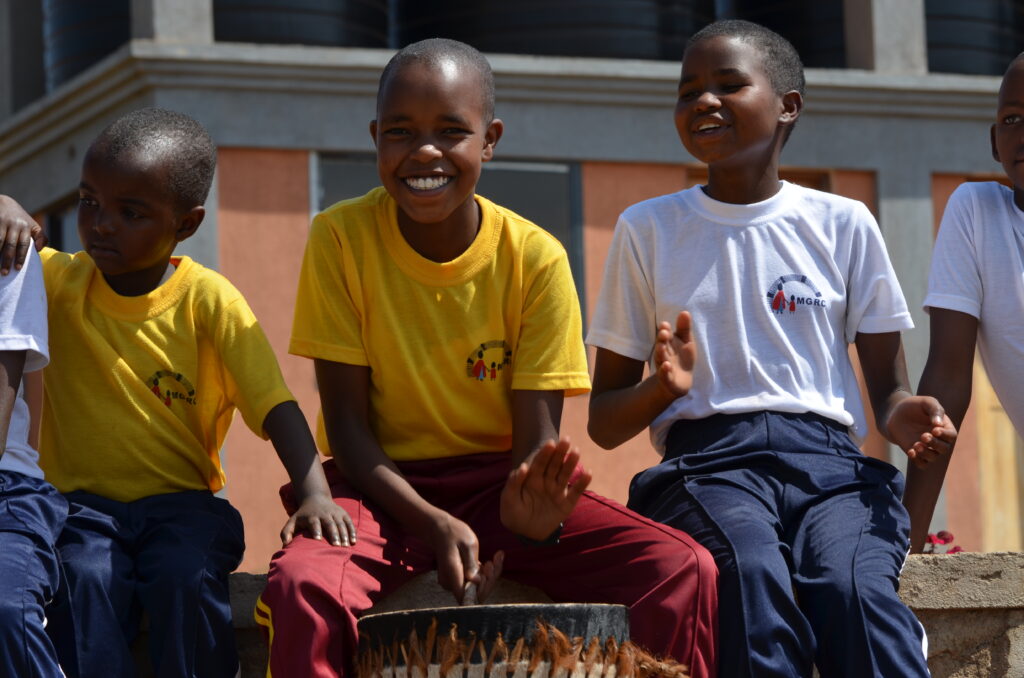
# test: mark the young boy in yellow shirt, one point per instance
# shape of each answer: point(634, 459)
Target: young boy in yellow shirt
point(151, 355)
point(403, 292)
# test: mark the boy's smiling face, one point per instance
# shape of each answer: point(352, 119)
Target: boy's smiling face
point(1008, 130)
point(727, 111)
point(432, 139)
point(127, 218)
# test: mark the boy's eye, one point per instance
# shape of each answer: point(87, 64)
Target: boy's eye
point(456, 131)
point(688, 95)
point(86, 201)
point(1011, 119)
point(395, 132)
point(130, 214)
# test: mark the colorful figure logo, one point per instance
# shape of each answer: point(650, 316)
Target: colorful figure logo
point(170, 386)
point(801, 292)
point(488, 359)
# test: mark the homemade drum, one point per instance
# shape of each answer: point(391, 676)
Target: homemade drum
point(505, 641)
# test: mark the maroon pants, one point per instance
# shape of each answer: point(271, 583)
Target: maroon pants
point(607, 554)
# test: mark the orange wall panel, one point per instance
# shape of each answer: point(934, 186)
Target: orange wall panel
point(262, 221)
point(608, 189)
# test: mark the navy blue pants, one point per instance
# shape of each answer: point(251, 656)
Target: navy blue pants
point(809, 536)
point(168, 555)
point(32, 514)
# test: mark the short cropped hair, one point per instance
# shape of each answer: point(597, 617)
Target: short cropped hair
point(181, 142)
point(435, 51)
point(778, 56)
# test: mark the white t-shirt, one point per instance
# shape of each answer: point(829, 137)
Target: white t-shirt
point(777, 290)
point(23, 328)
point(978, 269)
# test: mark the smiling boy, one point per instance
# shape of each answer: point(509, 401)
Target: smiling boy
point(751, 396)
point(151, 356)
point(408, 297)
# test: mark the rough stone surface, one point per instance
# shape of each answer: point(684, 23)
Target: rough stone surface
point(971, 604)
point(964, 580)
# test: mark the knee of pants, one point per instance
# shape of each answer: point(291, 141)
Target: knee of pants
point(13, 613)
point(838, 592)
point(174, 574)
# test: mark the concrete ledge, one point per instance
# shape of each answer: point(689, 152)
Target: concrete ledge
point(971, 604)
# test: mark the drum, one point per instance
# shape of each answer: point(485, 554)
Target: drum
point(505, 641)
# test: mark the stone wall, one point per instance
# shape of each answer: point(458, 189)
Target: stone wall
point(971, 604)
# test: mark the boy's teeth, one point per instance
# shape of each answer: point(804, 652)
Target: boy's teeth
point(707, 125)
point(426, 183)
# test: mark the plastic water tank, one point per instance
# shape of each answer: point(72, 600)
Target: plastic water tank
point(978, 37)
point(77, 34)
point(641, 29)
point(349, 23)
point(815, 27)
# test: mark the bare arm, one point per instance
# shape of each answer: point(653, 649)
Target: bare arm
point(544, 484)
point(917, 424)
point(622, 403)
point(317, 512)
point(345, 398)
point(885, 373)
point(947, 376)
point(33, 394)
point(12, 364)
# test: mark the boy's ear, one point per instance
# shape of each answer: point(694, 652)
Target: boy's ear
point(992, 139)
point(189, 222)
point(373, 132)
point(491, 136)
point(792, 104)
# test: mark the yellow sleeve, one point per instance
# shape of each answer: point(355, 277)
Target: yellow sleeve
point(54, 262)
point(328, 310)
point(551, 355)
point(251, 372)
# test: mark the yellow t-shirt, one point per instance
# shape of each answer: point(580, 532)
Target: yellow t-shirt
point(446, 343)
point(140, 391)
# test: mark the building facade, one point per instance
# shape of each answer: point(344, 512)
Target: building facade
point(585, 137)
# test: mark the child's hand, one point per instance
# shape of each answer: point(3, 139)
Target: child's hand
point(319, 515)
point(457, 552)
point(17, 232)
point(489, 573)
point(920, 426)
point(541, 493)
point(674, 355)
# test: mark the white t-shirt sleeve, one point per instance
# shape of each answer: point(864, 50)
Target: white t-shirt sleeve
point(955, 281)
point(624, 319)
point(23, 313)
point(875, 302)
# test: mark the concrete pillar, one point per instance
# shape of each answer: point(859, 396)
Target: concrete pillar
point(887, 36)
point(173, 21)
point(21, 55)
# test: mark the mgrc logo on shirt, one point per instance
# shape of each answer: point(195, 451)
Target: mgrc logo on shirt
point(170, 386)
point(793, 291)
point(488, 360)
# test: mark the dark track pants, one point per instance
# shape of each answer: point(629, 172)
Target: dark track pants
point(32, 513)
point(168, 555)
point(607, 554)
point(809, 536)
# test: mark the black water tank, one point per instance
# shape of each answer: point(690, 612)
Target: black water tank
point(815, 27)
point(349, 23)
point(639, 29)
point(77, 34)
point(978, 37)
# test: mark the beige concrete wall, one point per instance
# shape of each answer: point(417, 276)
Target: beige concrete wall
point(262, 223)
